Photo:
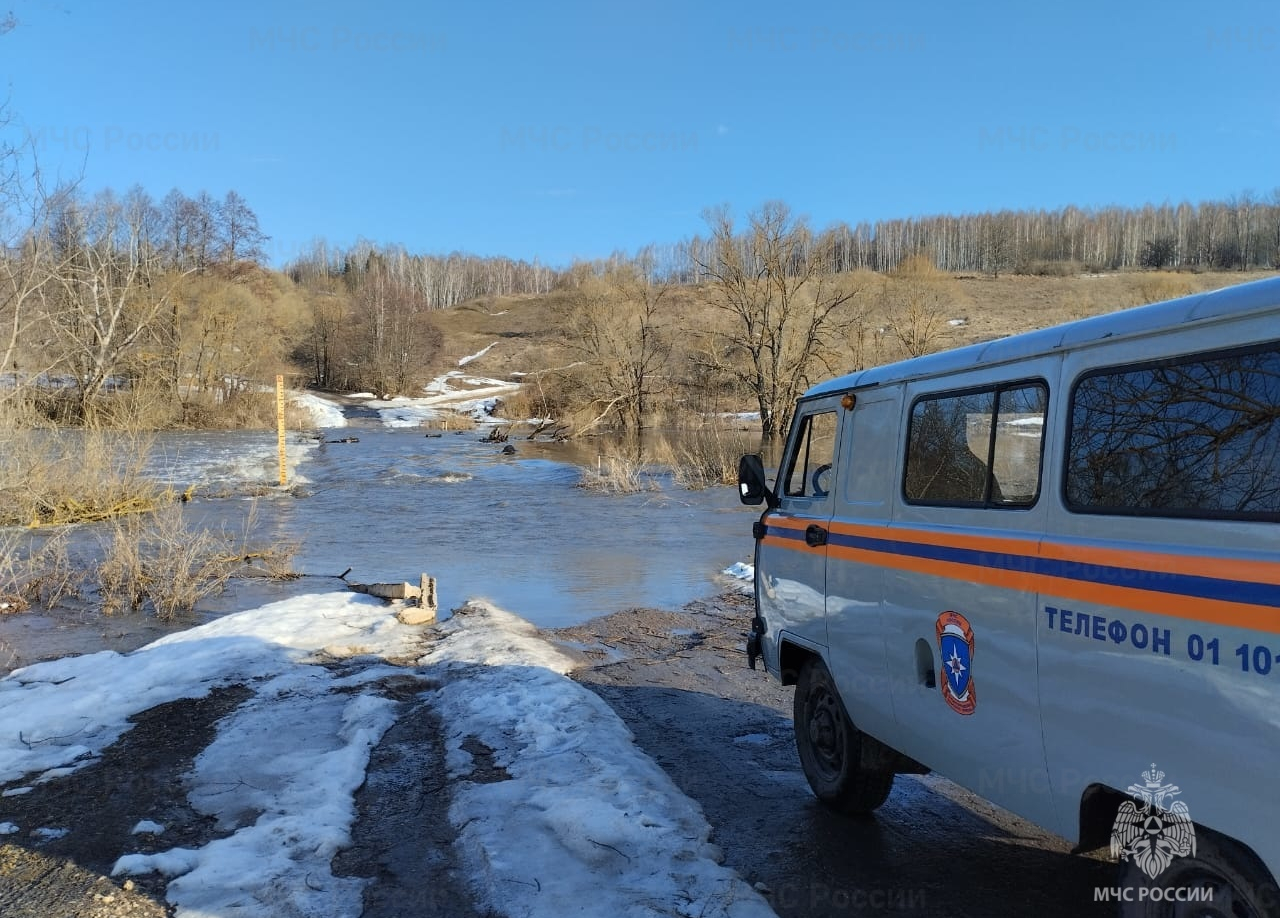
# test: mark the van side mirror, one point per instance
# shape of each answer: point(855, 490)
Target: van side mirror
point(752, 487)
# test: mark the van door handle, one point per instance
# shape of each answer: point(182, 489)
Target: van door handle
point(815, 535)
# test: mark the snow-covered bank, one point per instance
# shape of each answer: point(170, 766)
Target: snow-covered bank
point(324, 413)
point(579, 821)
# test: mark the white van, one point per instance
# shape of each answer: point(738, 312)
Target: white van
point(1048, 568)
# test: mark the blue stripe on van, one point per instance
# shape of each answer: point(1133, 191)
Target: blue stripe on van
point(1260, 594)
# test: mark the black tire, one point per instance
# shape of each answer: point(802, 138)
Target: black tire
point(830, 746)
point(1241, 886)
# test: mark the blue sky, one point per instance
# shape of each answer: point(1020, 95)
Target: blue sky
point(577, 128)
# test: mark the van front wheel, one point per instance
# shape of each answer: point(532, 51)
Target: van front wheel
point(830, 746)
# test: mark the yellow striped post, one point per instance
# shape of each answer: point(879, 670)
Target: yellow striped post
point(284, 467)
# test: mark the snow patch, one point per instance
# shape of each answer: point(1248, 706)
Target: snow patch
point(281, 772)
point(577, 807)
point(740, 571)
point(324, 413)
point(451, 394)
point(476, 356)
point(582, 810)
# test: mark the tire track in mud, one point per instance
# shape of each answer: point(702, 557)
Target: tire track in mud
point(402, 840)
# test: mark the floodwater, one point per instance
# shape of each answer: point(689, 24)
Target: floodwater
point(514, 529)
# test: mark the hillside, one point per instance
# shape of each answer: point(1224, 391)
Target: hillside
point(524, 334)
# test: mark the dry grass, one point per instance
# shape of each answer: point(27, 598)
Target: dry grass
point(158, 563)
point(52, 478)
point(706, 458)
point(617, 474)
point(162, 564)
point(1157, 286)
point(37, 571)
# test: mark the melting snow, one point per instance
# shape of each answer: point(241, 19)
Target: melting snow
point(324, 413)
point(583, 817)
point(453, 393)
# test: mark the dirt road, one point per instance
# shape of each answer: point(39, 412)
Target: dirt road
point(723, 733)
point(680, 681)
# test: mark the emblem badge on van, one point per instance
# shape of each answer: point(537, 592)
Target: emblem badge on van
point(955, 644)
point(1153, 828)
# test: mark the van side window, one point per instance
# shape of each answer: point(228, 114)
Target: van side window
point(980, 448)
point(810, 472)
point(1196, 436)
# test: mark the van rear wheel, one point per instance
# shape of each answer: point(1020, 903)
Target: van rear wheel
point(830, 746)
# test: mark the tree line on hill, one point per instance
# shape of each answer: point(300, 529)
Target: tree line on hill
point(440, 281)
point(118, 305)
point(1240, 233)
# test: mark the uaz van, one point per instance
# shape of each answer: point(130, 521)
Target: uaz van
point(1048, 568)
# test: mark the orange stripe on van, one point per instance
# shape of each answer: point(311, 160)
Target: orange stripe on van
point(1192, 587)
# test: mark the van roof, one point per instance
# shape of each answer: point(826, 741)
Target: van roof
point(1241, 299)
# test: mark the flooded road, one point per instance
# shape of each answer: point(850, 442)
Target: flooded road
point(513, 529)
point(510, 527)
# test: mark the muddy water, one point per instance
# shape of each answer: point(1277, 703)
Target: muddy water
point(512, 528)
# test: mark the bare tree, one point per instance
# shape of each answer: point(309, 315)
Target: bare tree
point(395, 337)
point(324, 345)
point(999, 242)
point(203, 230)
point(783, 304)
point(241, 240)
point(617, 322)
point(917, 296)
point(104, 300)
point(26, 254)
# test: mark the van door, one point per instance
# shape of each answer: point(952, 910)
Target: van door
point(855, 579)
point(960, 613)
point(791, 558)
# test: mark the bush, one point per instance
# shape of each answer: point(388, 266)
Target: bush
point(707, 458)
point(617, 475)
point(159, 562)
point(52, 478)
point(1152, 288)
point(36, 574)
